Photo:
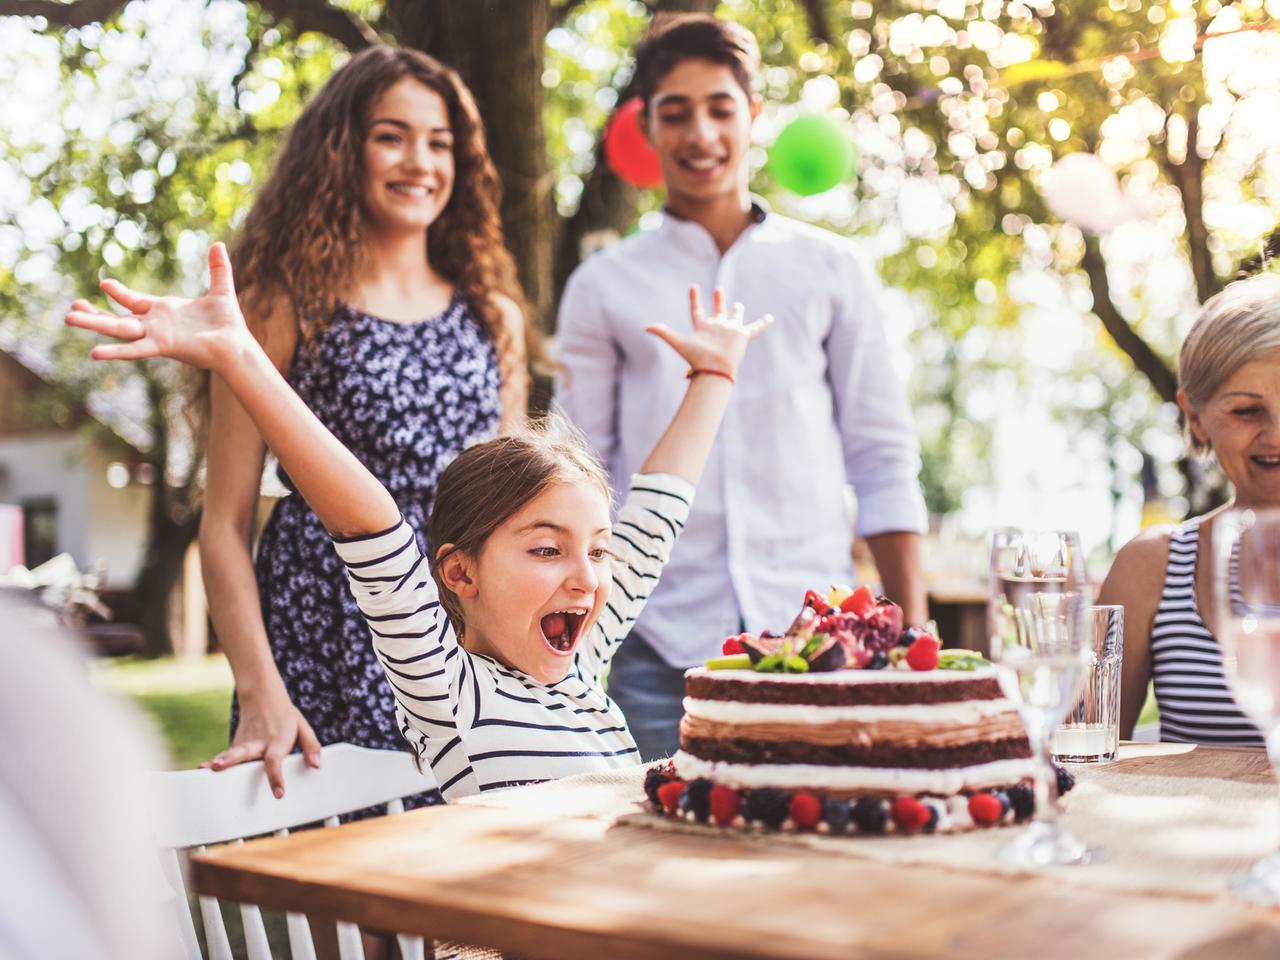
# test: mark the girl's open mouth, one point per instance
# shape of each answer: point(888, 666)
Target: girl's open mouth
point(560, 629)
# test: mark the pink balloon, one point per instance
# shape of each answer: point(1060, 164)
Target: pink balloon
point(627, 152)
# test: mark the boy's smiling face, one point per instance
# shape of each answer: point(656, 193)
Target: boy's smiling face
point(699, 122)
point(541, 581)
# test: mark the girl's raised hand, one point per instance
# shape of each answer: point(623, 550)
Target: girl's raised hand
point(206, 332)
point(717, 342)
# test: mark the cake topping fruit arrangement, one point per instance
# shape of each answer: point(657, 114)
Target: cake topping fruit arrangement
point(843, 629)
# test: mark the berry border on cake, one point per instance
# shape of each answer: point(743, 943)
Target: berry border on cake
point(774, 809)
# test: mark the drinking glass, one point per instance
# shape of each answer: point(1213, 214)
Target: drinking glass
point(1036, 617)
point(1091, 732)
point(1246, 608)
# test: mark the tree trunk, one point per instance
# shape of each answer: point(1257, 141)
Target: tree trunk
point(158, 580)
point(1188, 177)
point(497, 46)
point(1145, 359)
point(172, 523)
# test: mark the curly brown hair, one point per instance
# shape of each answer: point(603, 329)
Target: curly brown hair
point(301, 242)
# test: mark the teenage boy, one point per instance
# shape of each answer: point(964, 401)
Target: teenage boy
point(817, 405)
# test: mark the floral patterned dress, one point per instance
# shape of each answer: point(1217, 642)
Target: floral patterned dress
point(406, 398)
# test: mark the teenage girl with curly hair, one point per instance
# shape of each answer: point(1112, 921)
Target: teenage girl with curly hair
point(372, 269)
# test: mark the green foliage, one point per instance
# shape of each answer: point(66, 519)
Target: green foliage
point(586, 66)
point(149, 147)
point(970, 101)
point(188, 700)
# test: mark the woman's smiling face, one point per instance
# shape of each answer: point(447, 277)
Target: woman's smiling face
point(408, 158)
point(1241, 423)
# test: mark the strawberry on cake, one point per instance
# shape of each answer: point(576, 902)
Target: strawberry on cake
point(847, 722)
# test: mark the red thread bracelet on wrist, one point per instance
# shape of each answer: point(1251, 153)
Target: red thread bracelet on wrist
point(694, 371)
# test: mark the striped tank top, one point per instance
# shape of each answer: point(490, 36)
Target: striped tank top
point(1195, 703)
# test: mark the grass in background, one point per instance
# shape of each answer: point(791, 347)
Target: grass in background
point(189, 700)
point(1150, 712)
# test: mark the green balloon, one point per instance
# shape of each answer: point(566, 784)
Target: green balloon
point(812, 154)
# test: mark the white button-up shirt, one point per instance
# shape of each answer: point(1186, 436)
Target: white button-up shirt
point(817, 405)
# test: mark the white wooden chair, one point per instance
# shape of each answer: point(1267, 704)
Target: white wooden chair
point(204, 807)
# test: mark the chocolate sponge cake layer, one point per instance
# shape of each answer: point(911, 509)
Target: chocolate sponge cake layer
point(757, 688)
point(739, 750)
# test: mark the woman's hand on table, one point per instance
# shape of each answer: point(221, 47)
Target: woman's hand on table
point(268, 732)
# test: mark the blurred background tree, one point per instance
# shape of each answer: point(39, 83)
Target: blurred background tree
point(142, 129)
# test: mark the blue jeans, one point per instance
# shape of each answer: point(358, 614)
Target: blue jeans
point(651, 694)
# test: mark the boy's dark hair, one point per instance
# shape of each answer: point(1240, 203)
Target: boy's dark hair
point(487, 483)
point(675, 38)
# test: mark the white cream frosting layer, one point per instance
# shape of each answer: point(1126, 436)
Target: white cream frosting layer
point(848, 677)
point(888, 779)
point(958, 713)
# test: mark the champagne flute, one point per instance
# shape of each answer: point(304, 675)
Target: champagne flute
point(1037, 622)
point(1246, 606)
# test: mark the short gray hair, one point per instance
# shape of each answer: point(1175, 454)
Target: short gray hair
point(1240, 324)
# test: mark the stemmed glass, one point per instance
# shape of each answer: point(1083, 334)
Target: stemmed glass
point(1037, 622)
point(1246, 609)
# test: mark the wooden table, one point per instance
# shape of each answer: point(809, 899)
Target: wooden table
point(543, 886)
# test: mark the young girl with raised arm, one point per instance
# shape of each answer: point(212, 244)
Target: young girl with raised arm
point(495, 641)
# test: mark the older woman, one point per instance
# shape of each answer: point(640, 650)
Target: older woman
point(1229, 392)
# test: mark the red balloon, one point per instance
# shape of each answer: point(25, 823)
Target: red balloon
point(627, 152)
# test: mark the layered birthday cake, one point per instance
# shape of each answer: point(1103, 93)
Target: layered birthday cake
point(846, 722)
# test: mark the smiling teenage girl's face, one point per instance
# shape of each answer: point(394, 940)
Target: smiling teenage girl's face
point(408, 158)
point(541, 581)
point(1241, 422)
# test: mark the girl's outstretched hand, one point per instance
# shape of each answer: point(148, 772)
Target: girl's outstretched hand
point(206, 332)
point(717, 342)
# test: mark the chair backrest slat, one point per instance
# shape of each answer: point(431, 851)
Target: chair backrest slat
point(215, 931)
point(255, 933)
point(411, 948)
point(350, 946)
point(182, 911)
point(301, 946)
point(256, 944)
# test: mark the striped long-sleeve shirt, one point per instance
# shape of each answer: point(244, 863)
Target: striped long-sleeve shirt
point(479, 723)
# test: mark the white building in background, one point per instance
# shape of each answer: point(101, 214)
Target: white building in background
point(75, 493)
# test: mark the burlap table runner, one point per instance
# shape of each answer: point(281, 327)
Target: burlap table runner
point(1169, 821)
